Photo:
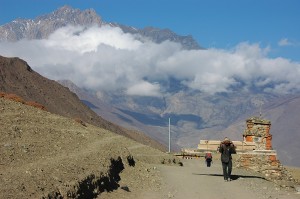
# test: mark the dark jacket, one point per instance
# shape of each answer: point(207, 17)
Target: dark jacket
point(208, 157)
point(226, 150)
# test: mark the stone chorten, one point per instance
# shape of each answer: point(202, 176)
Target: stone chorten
point(258, 131)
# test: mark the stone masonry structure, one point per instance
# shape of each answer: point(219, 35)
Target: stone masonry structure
point(258, 131)
point(262, 158)
point(255, 151)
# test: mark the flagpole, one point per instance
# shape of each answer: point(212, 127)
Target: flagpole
point(169, 135)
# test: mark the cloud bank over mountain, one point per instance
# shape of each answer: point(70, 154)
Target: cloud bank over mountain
point(105, 58)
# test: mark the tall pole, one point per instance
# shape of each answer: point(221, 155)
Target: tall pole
point(169, 135)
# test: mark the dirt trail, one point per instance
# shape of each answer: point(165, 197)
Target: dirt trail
point(195, 180)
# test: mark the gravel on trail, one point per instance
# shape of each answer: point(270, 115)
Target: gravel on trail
point(196, 180)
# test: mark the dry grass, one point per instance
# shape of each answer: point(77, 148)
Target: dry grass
point(2, 94)
point(14, 97)
point(36, 105)
point(78, 120)
point(19, 99)
point(295, 171)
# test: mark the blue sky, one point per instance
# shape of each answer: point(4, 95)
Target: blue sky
point(213, 23)
point(249, 44)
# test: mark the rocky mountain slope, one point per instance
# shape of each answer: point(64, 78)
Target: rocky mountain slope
point(112, 113)
point(43, 26)
point(17, 77)
point(45, 155)
point(197, 118)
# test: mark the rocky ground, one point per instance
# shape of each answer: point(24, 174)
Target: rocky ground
point(195, 180)
point(46, 155)
point(43, 155)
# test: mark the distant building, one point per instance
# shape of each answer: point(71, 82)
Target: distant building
point(256, 136)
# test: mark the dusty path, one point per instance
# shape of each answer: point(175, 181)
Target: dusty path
point(195, 180)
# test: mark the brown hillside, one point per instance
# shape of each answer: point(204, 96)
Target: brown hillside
point(44, 155)
point(17, 77)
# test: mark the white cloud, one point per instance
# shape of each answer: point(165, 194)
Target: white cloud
point(211, 82)
point(83, 40)
point(285, 42)
point(107, 59)
point(144, 89)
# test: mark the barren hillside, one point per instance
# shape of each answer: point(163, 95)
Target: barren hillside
point(47, 155)
point(17, 77)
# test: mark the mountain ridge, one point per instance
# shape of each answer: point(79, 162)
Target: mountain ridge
point(17, 77)
point(41, 27)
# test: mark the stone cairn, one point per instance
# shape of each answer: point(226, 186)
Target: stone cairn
point(262, 158)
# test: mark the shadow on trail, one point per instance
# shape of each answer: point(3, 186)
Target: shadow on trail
point(233, 177)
